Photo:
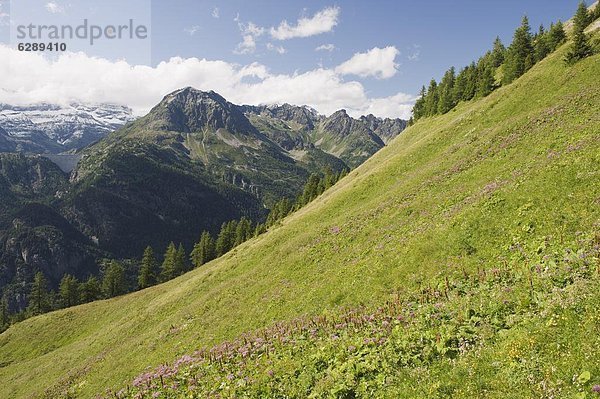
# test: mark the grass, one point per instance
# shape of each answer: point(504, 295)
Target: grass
point(519, 167)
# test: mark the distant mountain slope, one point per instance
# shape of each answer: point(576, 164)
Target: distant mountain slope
point(50, 128)
point(193, 162)
point(509, 182)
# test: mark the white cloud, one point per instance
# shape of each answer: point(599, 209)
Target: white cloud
point(325, 47)
point(322, 22)
point(246, 46)
point(250, 32)
point(215, 12)
point(377, 62)
point(192, 30)
point(415, 54)
point(278, 49)
point(31, 78)
point(53, 8)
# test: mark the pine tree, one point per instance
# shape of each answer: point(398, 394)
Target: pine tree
point(431, 102)
point(226, 238)
point(39, 301)
point(471, 82)
point(204, 250)
point(446, 90)
point(419, 107)
point(69, 291)
point(580, 48)
point(180, 260)
point(498, 53)
point(261, 228)
point(114, 282)
point(485, 83)
point(541, 46)
point(168, 268)
point(148, 269)
point(556, 36)
point(91, 290)
point(244, 228)
point(520, 56)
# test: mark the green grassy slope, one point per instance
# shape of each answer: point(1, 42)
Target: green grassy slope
point(519, 166)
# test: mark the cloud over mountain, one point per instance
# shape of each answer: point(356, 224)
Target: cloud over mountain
point(31, 78)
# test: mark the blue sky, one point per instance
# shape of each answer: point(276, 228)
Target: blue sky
point(373, 58)
point(442, 33)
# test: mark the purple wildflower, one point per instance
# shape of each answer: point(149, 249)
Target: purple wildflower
point(596, 388)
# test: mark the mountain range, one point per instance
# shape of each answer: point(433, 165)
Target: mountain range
point(50, 128)
point(459, 261)
point(192, 163)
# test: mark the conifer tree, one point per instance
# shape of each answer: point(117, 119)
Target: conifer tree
point(168, 267)
point(556, 36)
point(498, 53)
point(148, 269)
point(580, 48)
point(244, 228)
point(485, 83)
point(260, 229)
point(520, 56)
point(431, 102)
point(226, 238)
point(204, 250)
point(91, 290)
point(114, 282)
point(419, 107)
point(541, 46)
point(471, 82)
point(460, 85)
point(39, 301)
point(446, 90)
point(69, 291)
point(180, 260)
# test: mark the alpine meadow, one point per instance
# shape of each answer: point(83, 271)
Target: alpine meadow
point(455, 254)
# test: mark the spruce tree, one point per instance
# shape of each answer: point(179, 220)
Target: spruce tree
point(114, 282)
point(168, 268)
point(581, 47)
point(485, 83)
point(180, 260)
point(204, 250)
point(39, 301)
point(91, 290)
point(471, 82)
point(556, 36)
point(446, 90)
point(226, 238)
point(460, 85)
point(520, 56)
point(419, 107)
point(431, 102)
point(541, 46)
point(69, 291)
point(148, 269)
point(244, 228)
point(261, 228)
point(498, 53)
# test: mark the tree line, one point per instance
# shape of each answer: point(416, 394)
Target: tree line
point(501, 66)
point(115, 281)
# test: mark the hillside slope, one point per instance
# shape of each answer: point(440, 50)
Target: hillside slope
point(518, 168)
